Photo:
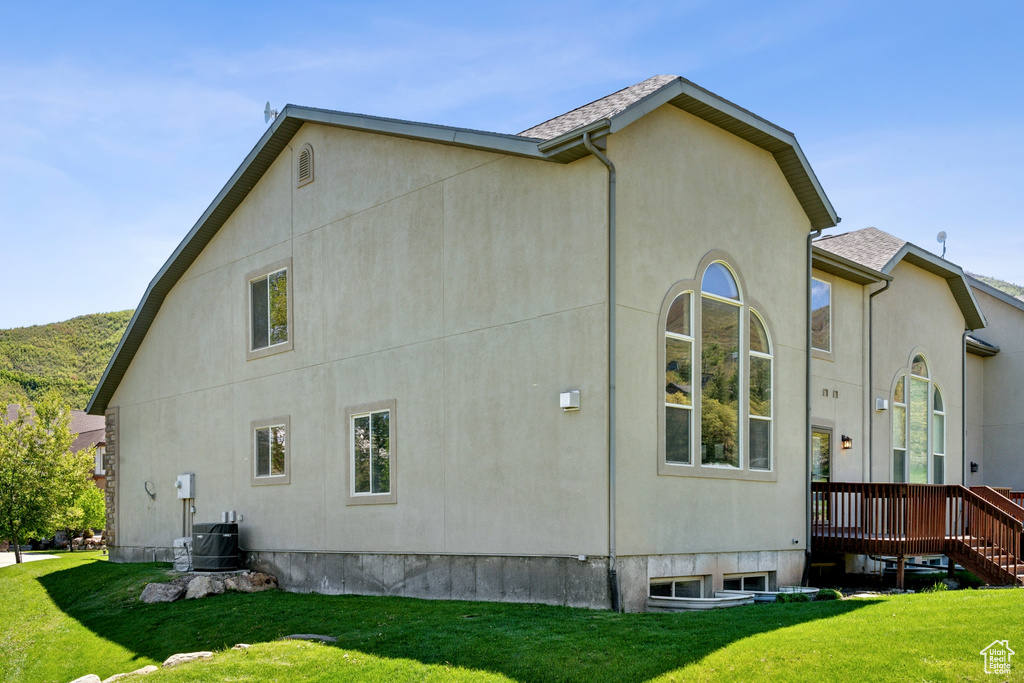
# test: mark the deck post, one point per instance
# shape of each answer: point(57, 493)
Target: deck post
point(950, 568)
point(901, 565)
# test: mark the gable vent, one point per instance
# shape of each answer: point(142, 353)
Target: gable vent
point(305, 165)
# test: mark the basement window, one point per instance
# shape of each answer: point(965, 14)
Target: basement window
point(684, 587)
point(746, 582)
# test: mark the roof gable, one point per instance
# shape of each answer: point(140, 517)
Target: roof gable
point(880, 251)
point(600, 118)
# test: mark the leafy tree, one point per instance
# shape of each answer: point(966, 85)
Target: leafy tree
point(40, 476)
point(88, 511)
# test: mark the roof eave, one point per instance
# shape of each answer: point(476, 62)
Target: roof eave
point(976, 347)
point(995, 293)
point(974, 318)
point(845, 268)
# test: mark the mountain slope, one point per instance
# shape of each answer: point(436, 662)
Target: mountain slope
point(1013, 290)
point(69, 356)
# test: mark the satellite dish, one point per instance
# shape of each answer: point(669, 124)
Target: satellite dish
point(941, 239)
point(268, 113)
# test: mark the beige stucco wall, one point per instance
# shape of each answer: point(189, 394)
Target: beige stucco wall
point(468, 286)
point(1003, 435)
point(838, 398)
point(917, 315)
point(976, 417)
point(687, 188)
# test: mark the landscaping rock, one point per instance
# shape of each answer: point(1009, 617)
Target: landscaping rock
point(88, 678)
point(138, 672)
point(311, 636)
point(203, 586)
point(183, 657)
point(251, 582)
point(161, 592)
point(241, 646)
point(951, 584)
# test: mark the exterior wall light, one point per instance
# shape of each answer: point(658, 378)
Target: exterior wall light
point(847, 442)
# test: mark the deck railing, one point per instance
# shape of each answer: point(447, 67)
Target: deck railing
point(917, 519)
point(1017, 497)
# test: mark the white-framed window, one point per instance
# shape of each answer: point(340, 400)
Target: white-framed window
point(98, 469)
point(745, 582)
point(918, 426)
point(372, 465)
point(677, 587)
point(821, 315)
point(270, 451)
point(724, 422)
point(269, 295)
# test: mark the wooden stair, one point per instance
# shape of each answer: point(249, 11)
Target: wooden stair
point(979, 528)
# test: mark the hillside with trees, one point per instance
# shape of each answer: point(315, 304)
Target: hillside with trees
point(1016, 291)
point(68, 356)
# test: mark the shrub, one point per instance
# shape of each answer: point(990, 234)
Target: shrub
point(829, 594)
point(792, 597)
point(936, 587)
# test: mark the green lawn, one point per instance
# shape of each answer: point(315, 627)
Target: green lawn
point(78, 614)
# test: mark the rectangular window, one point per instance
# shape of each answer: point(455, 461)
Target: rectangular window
point(821, 315)
point(99, 461)
point(690, 587)
point(372, 454)
point(270, 451)
point(269, 292)
point(747, 582)
point(678, 383)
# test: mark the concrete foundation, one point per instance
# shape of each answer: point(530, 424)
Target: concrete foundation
point(566, 581)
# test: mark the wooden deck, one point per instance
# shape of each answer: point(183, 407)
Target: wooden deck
point(979, 528)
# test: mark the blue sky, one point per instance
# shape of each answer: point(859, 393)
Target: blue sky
point(122, 121)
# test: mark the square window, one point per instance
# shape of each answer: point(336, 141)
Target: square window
point(270, 457)
point(269, 294)
point(371, 453)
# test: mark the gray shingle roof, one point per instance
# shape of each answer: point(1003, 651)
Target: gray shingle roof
point(603, 108)
point(869, 247)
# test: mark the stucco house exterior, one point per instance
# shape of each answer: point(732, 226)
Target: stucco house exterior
point(367, 350)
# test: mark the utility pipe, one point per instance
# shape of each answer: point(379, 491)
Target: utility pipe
point(613, 580)
point(811, 236)
point(871, 377)
point(963, 406)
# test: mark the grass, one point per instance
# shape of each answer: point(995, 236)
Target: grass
point(77, 614)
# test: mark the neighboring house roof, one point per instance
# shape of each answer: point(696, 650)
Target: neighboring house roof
point(88, 430)
point(598, 119)
point(880, 251)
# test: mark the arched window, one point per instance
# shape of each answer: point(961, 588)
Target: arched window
point(918, 426)
point(725, 422)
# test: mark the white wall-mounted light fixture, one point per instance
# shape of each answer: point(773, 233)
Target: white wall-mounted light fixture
point(569, 400)
point(881, 404)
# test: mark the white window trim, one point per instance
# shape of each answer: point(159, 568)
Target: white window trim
point(703, 581)
point(351, 413)
point(770, 418)
point(271, 479)
point(748, 575)
point(280, 347)
point(905, 374)
point(745, 303)
point(825, 354)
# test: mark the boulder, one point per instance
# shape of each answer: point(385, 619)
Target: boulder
point(251, 582)
point(161, 592)
point(241, 646)
point(138, 672)
point(203, 586)
point(88, 678)
point(951, 584)
point(183, 657)
point(311, 636)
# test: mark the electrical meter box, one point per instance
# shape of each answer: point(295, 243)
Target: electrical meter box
point(186, 486)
